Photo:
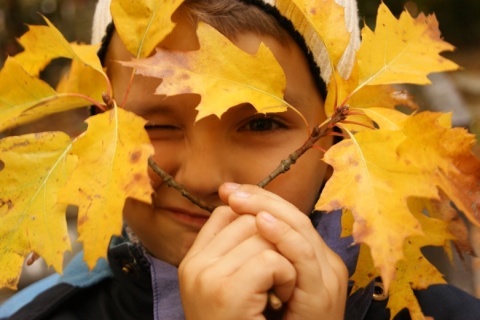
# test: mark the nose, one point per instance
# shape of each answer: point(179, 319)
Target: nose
point(202, 165)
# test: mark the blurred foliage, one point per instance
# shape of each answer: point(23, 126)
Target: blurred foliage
point(459, 21)
point(72, 17)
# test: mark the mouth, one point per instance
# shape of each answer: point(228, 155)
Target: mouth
point(192, 219)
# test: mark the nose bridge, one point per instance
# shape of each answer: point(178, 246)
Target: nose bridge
point(202, 169)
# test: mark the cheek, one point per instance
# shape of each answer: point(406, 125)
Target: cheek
point(136, 215)
point(302, 183)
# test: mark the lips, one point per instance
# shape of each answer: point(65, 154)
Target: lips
point(192, 219)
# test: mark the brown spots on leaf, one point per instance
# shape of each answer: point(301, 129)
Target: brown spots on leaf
point(2, 165)
point(135, 156)
point(82, 219)
point(7, 203)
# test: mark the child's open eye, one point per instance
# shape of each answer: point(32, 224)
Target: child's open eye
point(154, 126)
point(264, 123)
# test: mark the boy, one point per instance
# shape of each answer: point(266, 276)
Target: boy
point(256, 240)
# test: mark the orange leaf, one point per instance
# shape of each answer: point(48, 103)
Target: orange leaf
point(445, 155)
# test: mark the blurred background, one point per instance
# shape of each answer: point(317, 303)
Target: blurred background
point(457, 91)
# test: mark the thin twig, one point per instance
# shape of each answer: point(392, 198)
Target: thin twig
point(317, 133)
point(168, 179)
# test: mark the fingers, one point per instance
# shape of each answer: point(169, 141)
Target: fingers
point(264, 271)
point(318, 267)
point(227, 232)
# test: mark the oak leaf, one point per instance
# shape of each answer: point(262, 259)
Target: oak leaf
point(219, 66)
point(42, 44)
point(32, 97)
point(402, 51)
point(142, 25)
point(35, 167)
point(112, 166)
point(374, 185)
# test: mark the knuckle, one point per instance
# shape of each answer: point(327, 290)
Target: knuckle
point(270, 257)
point(306, 251)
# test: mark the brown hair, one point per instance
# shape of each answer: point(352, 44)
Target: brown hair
point(231, 17)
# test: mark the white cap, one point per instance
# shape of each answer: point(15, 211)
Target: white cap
point(103, 17)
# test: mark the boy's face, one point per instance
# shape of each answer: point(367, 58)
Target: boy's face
point(241, 147)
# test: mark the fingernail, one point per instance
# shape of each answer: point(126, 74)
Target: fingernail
point(242, 194)
point(268, 217)
point(231, 185)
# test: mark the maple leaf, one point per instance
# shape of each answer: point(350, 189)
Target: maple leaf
point(112, 167)
point(409, 276)
point(402, 51)
point(42, 44)
point(374, 185)
point(142, 25)
point(219, 66)
point(445, 154)
point(35, 166)
point(376, 172)
point(422, 273)
point(33, 98)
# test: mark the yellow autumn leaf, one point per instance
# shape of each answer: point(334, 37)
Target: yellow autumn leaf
point(442, 209)
point(361, 99)
point(112, 167)
point(82, 80)
point(143, 24)
point(376, 175)
point(415, 272)
point(365, 271)
point(219, 66)
point(445, 155)
point(24, 98)
point(35, 166)
point(374, 185)
point(402, 51)
point(326, 18)
point(42, 44)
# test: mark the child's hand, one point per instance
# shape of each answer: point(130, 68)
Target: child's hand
point(257, 243)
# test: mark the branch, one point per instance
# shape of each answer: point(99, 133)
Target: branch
point(318, 132)
point(168, 179)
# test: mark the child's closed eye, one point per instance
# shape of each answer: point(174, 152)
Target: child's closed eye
point(163, 131)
